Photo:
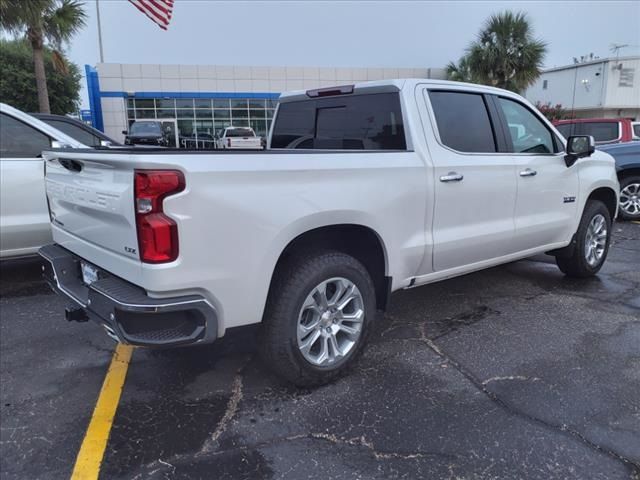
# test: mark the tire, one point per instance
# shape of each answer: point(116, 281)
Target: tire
point(292, 308)
point(580, 263)
point(630, 198)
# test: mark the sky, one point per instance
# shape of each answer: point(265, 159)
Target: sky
point(344, 33)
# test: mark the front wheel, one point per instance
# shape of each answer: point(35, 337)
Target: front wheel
point(592, 242)
point(319, 314)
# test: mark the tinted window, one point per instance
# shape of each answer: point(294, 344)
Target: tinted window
point(601, 131)
point(240, 132)
point(145, 128)
point(566, 129)
point(74, 131)
point(636, 130)
point(358, 122)
point(19, 140)
point(463, 121)
point(528, 133)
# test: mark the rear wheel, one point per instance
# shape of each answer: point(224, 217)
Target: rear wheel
point(630, 198)
point(592, 242)
point(318, 317)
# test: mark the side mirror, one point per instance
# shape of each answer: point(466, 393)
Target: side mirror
point(125, 132)
point(579, 146)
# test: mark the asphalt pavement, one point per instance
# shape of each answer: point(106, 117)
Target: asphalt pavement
point(512, 372)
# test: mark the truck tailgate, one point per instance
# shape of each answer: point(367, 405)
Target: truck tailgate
point(93, 201)
point(245, 142)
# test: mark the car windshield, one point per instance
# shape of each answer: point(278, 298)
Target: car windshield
point(145, 128)
point(240, 132)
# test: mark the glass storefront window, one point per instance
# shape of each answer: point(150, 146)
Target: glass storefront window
point(185, 113)
point(199, 120)
point(220, 103)
point(145, 103)
point(202, 102)
point(238, 103)
point(166, 113)
point(241, 122)
point(239, 113)
point(165, 103)
point(256, 114)
point(204, 113)
point(256, 103)
point(145, 113)
point(184, 102)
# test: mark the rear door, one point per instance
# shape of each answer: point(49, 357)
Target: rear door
point(547, 190)
point(24, 221)
point(475, 186)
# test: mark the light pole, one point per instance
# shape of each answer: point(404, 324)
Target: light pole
point(99, 31)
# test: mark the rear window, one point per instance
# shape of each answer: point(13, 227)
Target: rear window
point(146, 128)
point(240, 132)
point(601, 131)
point(358, 122)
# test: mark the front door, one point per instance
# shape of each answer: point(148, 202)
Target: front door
point(547, 190)
point(475, 187)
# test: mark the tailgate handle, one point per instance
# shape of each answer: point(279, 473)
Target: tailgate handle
point(72, 165)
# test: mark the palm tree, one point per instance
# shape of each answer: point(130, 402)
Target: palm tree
point(461, 71)
point(505, 54)
point(43, 21)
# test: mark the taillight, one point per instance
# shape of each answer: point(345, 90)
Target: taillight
point(157, 233)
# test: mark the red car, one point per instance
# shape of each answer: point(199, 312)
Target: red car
point(603, 130)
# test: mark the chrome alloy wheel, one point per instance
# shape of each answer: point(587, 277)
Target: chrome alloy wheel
point(630, 199)
point(595, 240)
point(330, 321)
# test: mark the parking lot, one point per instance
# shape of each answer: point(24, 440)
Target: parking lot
point(513, 372)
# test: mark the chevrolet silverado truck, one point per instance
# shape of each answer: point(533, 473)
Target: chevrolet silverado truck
point(363, 190)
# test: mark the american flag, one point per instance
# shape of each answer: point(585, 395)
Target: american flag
point(157, 10)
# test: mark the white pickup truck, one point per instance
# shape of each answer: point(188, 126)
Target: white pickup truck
point(238, 138)
point(363, 190)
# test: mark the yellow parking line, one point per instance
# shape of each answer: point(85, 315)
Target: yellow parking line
point(89, 459)
point(635, 221)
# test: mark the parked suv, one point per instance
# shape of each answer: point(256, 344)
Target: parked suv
point(627, 156)
point(603, 130)
point(364, 189)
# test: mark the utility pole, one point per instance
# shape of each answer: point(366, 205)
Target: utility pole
point(99, 31)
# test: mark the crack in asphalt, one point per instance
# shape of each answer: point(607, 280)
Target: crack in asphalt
point(480, 385)
point(230, 412)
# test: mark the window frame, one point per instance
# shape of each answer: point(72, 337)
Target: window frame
point(21, 158)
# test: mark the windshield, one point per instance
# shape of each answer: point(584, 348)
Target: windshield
point(240, 132)
point(145, 128)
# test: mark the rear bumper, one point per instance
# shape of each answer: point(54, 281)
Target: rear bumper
point(125, 310)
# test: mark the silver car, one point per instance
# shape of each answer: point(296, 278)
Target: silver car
point(24, 216)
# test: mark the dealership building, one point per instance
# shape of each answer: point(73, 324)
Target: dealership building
point(195, 101)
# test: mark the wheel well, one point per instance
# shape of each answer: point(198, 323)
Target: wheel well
point(358, 241)
point(606, 196)
point(629, 172)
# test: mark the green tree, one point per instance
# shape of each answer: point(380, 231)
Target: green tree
point(505, 55)
point(461, 71)
point(44, 23)
point(17, 79)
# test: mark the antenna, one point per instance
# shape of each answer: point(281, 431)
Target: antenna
point(616, 47)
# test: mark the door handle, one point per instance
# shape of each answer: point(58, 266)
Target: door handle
point(528, 173)
point(451, 177)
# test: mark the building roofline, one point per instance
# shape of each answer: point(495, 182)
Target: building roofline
point(591, 62)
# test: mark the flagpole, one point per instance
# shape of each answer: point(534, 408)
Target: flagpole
point(99, 31)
